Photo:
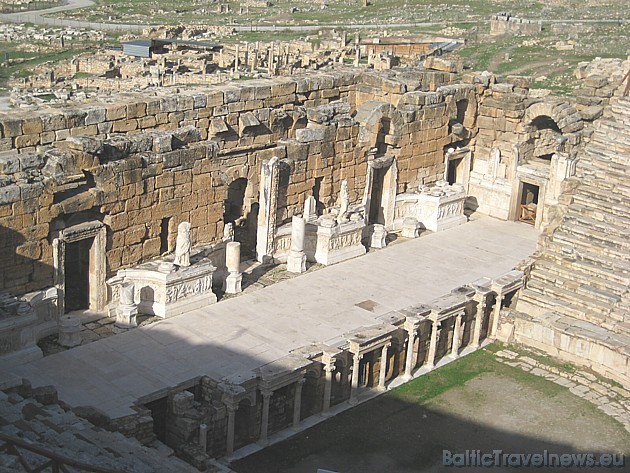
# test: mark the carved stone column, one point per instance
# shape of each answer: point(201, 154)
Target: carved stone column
point(409, 355)
point(296, 261)
point(496, 314)
point(479, 316)
point(233, 263)
point(383, 368)
point(269, 180)
point(264, 422)
point(297, 403)
point(354, 387)
point(231, 411)
point(432, 346)
point(329, 368)
point(457, 335)
point(203, 437)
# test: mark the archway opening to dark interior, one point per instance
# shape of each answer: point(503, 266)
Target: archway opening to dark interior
point(77, 273)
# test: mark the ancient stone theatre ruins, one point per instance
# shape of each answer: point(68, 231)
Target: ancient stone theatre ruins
point(150, 205)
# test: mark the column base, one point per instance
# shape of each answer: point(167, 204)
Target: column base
point(263, 443)
point(126, 316)
point(233, 283)
point(296, 262)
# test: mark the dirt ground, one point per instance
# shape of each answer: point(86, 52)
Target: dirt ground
point(491, 411)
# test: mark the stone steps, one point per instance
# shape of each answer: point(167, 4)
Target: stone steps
point(585, 198)
point(594, 171)
point(579, 275)
point(583, 289)
point(583, 243)
point(582, 216)
point(534, 302)
point(588, 268)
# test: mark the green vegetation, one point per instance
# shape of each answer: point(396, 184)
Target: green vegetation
point(285, 12)
point(549, 57)
point(20, 63)
point(407, 428)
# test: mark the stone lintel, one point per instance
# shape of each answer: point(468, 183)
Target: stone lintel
point(447, 306)
point(366, 339)
point(508, 282)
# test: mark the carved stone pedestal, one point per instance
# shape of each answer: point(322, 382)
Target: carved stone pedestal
point(69, 331)
point(378, 236)
point(233, 283)
point(296, 262)
point(126, 316)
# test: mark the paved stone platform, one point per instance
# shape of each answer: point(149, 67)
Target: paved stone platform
point(243, 333)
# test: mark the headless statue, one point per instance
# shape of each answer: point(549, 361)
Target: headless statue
point(182, 245)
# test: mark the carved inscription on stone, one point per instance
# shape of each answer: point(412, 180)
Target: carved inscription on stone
point(187, 289)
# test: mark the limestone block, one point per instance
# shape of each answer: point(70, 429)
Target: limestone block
point(32, 126)
point(442, 64)
point(11, 128)
point(182, 402)
point(9, 194)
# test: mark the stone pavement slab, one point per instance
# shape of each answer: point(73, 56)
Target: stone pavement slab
point(246, 332)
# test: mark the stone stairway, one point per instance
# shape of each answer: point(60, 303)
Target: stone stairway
point(581, 279)
point(576, 304)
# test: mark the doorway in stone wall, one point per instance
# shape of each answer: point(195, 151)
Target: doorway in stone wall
point(79, 261)
point(529, 203)
point(453, 172)
point(77, 270)
point(240, 216)
point(376, 197)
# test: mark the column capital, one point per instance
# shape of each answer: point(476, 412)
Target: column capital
point(266, 393)
point(357, 357)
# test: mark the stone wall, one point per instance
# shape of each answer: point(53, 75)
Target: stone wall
point(502, 23)
point(132, 164)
